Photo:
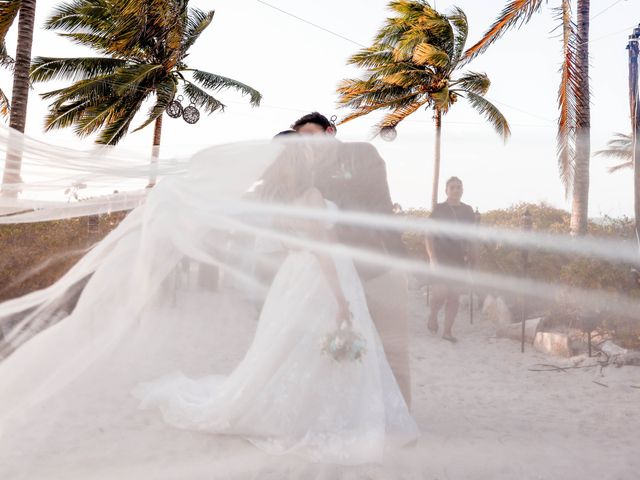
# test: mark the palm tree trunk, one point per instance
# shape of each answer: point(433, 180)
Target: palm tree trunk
point(155, 151)
point(20, 95)
point(436, 160)
point(580, 194)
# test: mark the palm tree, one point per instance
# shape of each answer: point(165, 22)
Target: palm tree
point(144, 45)
point(410, 65)
point(8, 13)
point(619, 147)
point(25, 10)
point(573, 137)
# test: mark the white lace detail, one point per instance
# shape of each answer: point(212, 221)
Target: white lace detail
point(286, 396)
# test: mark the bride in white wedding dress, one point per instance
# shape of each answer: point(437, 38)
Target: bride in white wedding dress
point(287, 395)
point(161, 314)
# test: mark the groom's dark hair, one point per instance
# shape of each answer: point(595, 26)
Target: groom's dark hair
point(313, 117)
point(285, 133)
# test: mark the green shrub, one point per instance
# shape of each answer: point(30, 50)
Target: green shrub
point(572, 270)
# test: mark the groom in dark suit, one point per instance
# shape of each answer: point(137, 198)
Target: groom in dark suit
point(354, 176)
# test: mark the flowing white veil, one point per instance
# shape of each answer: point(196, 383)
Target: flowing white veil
point(178, 285)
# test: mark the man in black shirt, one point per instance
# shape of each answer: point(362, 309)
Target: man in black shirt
point(449, 251)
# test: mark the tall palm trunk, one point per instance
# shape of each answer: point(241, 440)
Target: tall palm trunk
point(155, 151)
point(436, 159)
point(580, 197)
point(20, 95)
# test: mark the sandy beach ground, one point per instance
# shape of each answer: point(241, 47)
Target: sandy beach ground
point(485, 415)
point(482, 412)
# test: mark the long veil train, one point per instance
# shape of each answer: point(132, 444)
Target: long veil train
point(178, 286)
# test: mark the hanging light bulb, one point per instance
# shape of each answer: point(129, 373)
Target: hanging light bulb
point(191, 114)
point(174, 109)
point(388, 134)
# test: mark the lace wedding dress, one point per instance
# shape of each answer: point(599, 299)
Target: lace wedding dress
point(165, 307)
point(286, 395)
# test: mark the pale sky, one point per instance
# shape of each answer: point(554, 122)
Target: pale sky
point(297, 67)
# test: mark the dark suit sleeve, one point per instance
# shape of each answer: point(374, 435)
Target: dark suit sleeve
point(373, 180)
point(436, 212)
point(470, 215)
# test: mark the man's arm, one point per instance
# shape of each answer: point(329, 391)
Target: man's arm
point(372, 179)
point(428, 240)
point(473, 247)
point(428, 243)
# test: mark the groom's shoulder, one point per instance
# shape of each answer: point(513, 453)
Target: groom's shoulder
point(359, 146)
point(362, 149)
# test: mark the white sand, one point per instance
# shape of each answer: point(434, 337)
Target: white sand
point(482, 413)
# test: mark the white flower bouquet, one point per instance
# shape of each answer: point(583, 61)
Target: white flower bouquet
point(344, 344)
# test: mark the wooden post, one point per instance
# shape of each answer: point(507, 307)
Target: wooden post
point(526, 226)
point(476, 219)
point(634, 104)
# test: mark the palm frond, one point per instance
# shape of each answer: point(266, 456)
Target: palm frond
point(65, 115)
point(202, 98)
point(197, 22)
point(88, 89)
point(436, 31)
point(105, 29)
point(620, 166)
point(96, 41)
point(393, 118)
point(356, 93)
point(165, 93)
point(567, 95)
point(405, 68)
point(619, 147)
point(211, 81)
point(478, 83)
point(82, 16)
point(95, 116)
point(6, 60)
point(8, 12)
point(415, 22)
point(5, 105)
point(119, 121)
point(394, 103)
point(490, 112)
point(461, 32)
point(427, 54)
point(514, 14)
point(406, 80)
point(101, 110)
point(133, 78)
point(44, 69)
point(372, 57)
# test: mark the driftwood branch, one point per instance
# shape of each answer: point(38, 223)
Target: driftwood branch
point(556, 368)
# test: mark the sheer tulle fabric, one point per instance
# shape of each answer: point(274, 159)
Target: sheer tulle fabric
point(286, 396)
point(211, 310)
point(173, 312)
